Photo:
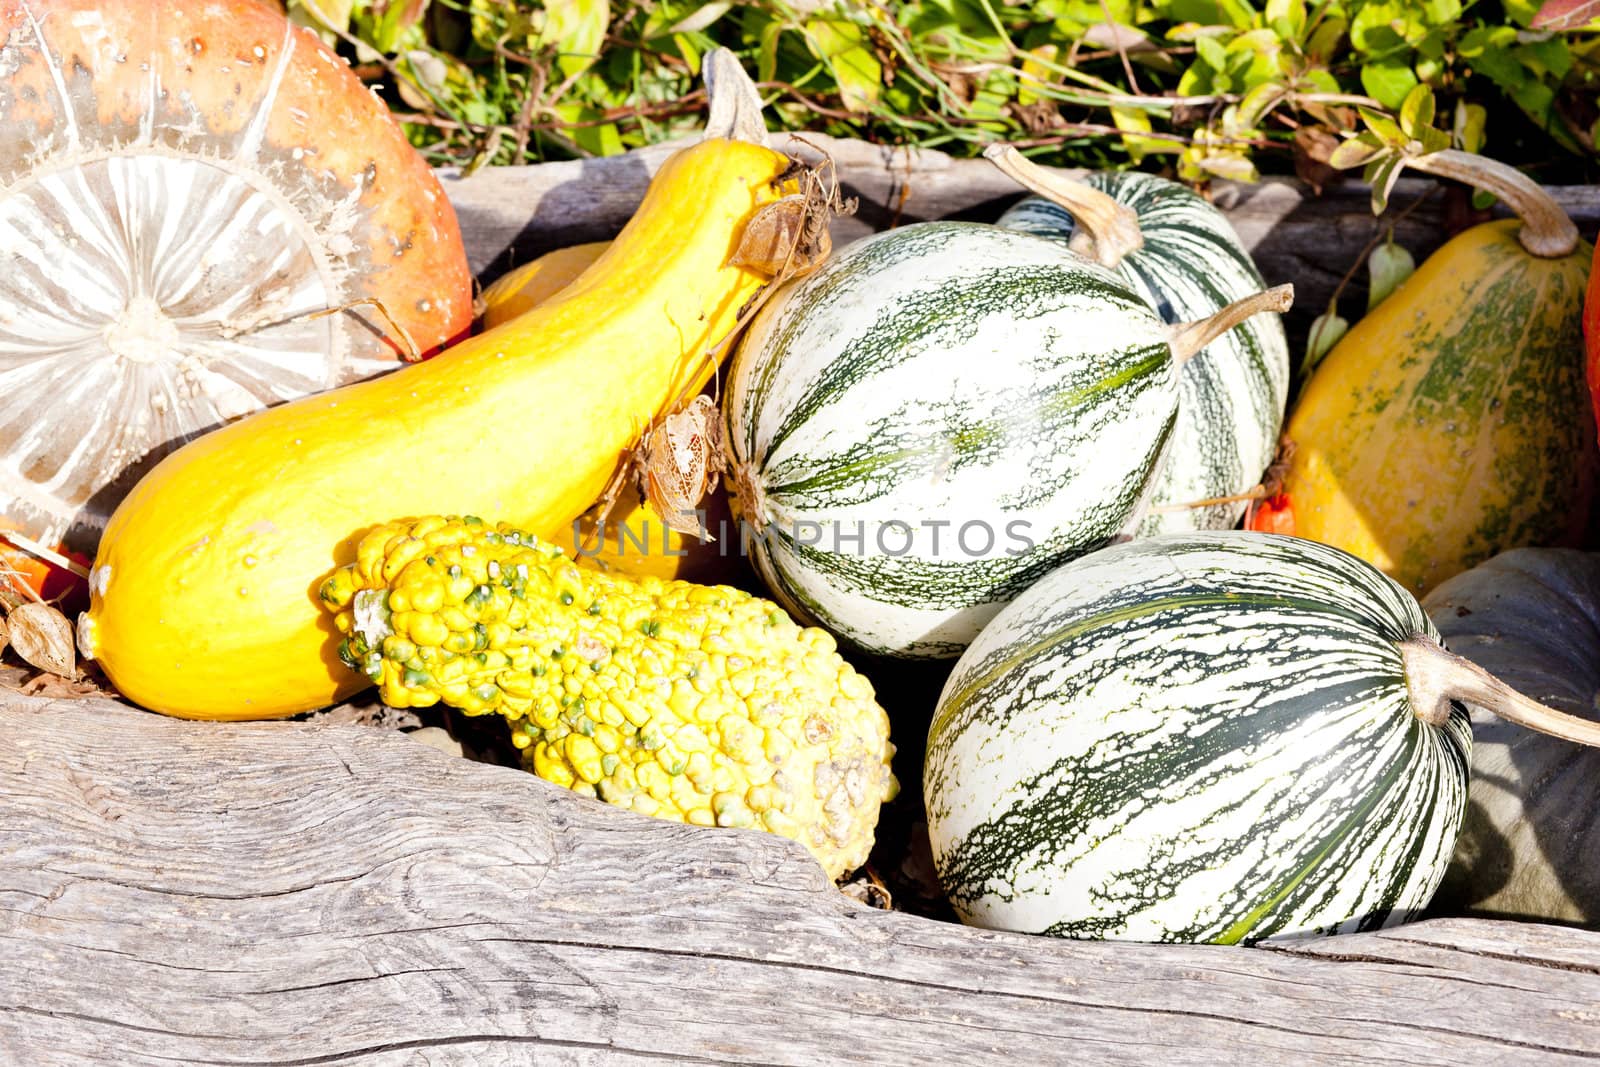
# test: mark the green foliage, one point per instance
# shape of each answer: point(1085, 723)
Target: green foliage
point(1204, 87)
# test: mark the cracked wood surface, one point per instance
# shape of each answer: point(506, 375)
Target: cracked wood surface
point(283, 893)
point(509, 215)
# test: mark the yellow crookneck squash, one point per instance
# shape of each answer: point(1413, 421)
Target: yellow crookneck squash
point(525, 288)
point(1452, 422)
point(204, 592)
point(630, 538)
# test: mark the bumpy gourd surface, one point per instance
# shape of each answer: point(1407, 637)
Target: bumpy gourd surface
point(701, 704)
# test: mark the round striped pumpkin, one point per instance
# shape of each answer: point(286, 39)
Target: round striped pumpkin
point(1232, 394)
point(933, 420)
point(1201, 737)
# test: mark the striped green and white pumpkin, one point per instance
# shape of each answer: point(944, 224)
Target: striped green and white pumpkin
point(1200, 737)
point(936, 418)
point(1232, 394)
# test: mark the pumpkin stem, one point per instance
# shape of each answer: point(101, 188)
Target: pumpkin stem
point(1188, 338)
point(1436, 677)
point(1547, 231)
point(735, 112)
point(1107, 230)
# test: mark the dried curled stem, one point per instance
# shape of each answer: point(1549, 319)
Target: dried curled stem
point(1188, 338)
point(1107, 230)
point(1547, 231)
point(1435, 678)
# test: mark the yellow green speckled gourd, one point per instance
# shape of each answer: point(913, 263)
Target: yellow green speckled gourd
point(1452, 422)
point(701, 704)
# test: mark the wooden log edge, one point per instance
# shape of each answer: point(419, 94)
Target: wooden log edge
point(289, 893)
point(510, 215)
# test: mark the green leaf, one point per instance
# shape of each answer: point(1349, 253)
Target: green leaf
point(396, 26)
point(1035, 74)
point(1468, 126)
point(1441, 12)
point(1384, 128)
point(1388, 266)
point(1259, 101)
point(1383, 173)
point(1326, 329)
point(573, 29)
point(1381, 28)
point(1498, 64)
point(1234, 13)
point(1233, 168)
point(767, 51)
point(1388, 82)
point(1320, 81)
point(1132, 122)
point(1538, 101)
point(332, 14)
point(702, 18)
point(1433, 140)
point(1288, 18)
point(1253, 58)
point(1475, 41)
point(1326, 39)
point(684, 43)
point(1550, 57)
point(602, 140)
point(1213, 54)
point(842, 46)
point(1356, 152)
point(1416, 112)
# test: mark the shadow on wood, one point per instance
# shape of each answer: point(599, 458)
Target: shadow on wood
point(189, 892)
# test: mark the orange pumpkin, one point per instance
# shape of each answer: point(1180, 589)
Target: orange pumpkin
point(188, 195)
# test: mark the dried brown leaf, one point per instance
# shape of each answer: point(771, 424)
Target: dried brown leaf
point(777, 239)
point(682, 461)
point(42, 636)
point(1566, 14)
point(46, 684)
point(1313, 147)
point(867, 888)
point(789, 237)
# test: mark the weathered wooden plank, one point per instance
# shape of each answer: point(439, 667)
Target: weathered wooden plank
point(276, 893)
point(511, 214)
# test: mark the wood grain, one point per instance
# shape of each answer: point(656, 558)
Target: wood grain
point(512, 214)
point(295, 893)
point(281, 893)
